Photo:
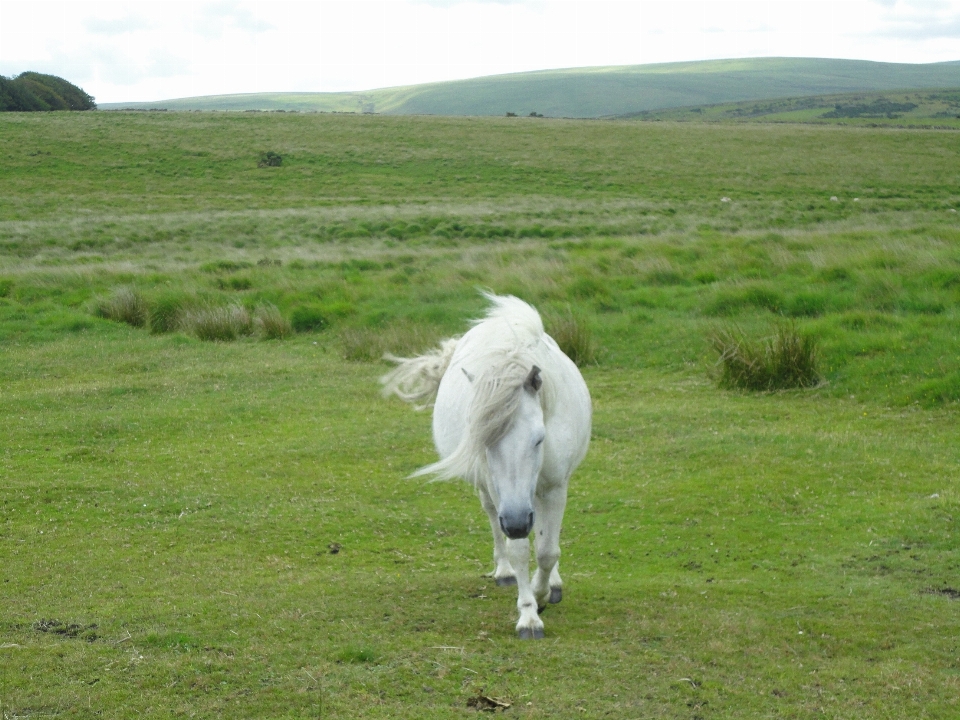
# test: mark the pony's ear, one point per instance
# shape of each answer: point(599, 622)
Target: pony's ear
point(468, 375)
point(533, 381)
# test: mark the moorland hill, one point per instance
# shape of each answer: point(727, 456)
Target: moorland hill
point(599, 91)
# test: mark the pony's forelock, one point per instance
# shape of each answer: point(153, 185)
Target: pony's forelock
point(496, 399)
point(498, 369)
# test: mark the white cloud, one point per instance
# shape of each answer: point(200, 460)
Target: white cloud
point(116, 26)
point(142, 50)
point(451, 3)
point(919, 20)
point(213, 19)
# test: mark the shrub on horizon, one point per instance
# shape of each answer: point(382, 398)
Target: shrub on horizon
point(32, 91)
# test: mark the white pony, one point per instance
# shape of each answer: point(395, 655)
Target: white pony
point(512, 416)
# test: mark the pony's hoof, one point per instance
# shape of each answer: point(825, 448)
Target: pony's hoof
point(528, 634)
point(508, 581)
point(556, 595)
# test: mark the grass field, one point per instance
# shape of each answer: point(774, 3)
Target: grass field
point(224, 529)
point(599, 91)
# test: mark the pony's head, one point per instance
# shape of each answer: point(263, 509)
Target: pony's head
point(510, 429)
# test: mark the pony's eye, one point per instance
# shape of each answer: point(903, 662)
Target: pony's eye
point(538, 443)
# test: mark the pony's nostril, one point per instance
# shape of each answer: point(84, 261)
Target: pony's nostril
point(516, 527)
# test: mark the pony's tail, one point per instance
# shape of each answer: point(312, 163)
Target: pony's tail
point(416, 380)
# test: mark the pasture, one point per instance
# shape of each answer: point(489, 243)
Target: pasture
point(224, 529)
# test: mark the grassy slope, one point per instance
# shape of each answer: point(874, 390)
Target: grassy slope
point(939, 108)
point(743, 556)
point(597, 92)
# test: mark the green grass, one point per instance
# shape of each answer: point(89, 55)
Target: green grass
point(169, 508)
point(599, 91)
point(937, 109)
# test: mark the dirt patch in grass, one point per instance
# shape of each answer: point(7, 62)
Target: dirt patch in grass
point(947, 592)
point(485, 703)
point(67, 630)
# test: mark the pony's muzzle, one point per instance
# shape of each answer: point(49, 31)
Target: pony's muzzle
point(516, 525)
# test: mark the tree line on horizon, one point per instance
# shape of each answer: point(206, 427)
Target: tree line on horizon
point(32, 91)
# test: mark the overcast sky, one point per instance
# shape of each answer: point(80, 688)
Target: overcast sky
point(126, 51)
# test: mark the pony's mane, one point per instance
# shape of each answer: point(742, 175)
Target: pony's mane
point(416, 380)
point(501, 362)
point(512, 310)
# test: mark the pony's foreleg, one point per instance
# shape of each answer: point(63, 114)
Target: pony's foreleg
point(547, 586)
point(503, 572)
point(529, 626)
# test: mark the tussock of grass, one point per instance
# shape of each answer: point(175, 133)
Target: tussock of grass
point(939, 391)
point(357, 654)
point(308, 318)
point(223, 323)
point(270, 323)
point(573, 335)
point(227, 266)
point(859, 321)
point(806, 304)
point(234, 283)
point(732, 302)
point(789, 359)
point(368, 344)
point(126, 305)
point(164, 313)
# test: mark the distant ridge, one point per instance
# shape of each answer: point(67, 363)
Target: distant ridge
point(599, 92)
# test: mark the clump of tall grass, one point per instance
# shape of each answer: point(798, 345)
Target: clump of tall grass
point(573, 335)
point(270, 323)
point(164, 313)
point(309, 318)
point(125, 304)
point(369, 344)
point(223, 323)
point(788, 359)
point(731, 302)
